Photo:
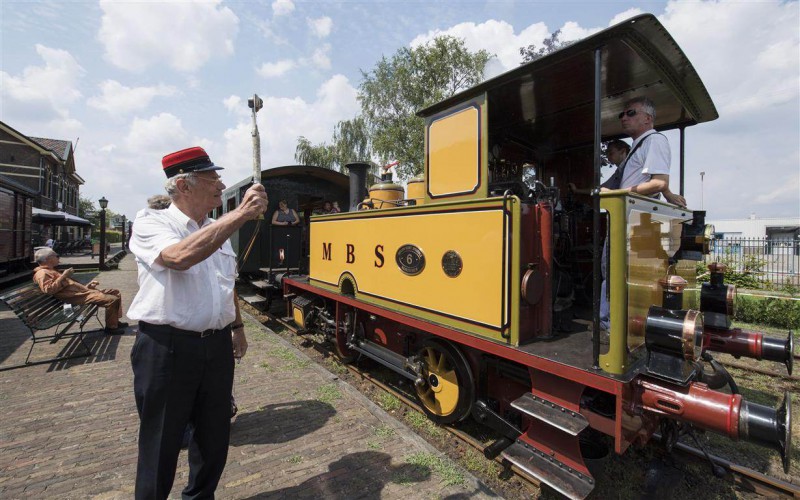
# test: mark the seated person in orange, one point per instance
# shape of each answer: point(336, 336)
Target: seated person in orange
point(284, 216)
point(53, 282)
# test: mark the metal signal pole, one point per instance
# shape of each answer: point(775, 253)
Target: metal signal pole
point(255, 103)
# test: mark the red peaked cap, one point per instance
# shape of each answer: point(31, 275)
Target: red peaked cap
point(187, 160)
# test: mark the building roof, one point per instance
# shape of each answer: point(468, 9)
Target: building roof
point(27, 140)
point(59, 147)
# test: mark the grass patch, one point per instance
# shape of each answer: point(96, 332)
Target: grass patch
point(294, 459)
point(328, 393)
point(388, 401)
point(420, 422)
point(476, 462)
point(444, 468)
point(290, 357)
point(338, 367)
point(258, 335)
point(374, 445)
point(265, 366)
point(383, 431)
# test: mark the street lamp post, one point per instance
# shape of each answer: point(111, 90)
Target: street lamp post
point(702, 174)
point(123, 232)
point(103, 204)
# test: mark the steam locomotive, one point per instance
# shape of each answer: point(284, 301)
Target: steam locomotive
point(481, 285)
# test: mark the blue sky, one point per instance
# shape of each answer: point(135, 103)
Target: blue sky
point(136, 80)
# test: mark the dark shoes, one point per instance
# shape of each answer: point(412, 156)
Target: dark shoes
point(119, 330)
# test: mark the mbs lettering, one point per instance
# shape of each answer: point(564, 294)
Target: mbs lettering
point(350, 252)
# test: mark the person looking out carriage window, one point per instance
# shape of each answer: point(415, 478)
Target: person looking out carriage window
point(285, 216)
point(63, 287)
point(190, 327)
point(335, 208)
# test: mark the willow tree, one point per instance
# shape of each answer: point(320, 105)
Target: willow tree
point(414, 78)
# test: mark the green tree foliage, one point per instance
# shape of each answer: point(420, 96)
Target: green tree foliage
point(91, 212)
point(414, 78)
point(549, 44)
point(320, 155)
point(350, 143)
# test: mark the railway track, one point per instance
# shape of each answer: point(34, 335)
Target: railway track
point(744, 477)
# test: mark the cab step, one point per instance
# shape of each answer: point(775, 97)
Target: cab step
point(547, 469)
point(254, 300)
point(550, 413)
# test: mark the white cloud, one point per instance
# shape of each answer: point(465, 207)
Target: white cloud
point(117, 99)
point(232, 103)
point(750, 64)
point(320, 27)
point(745, 64)
point(622, 16)
point(162, 132)
point(499, 38)
point(320, 58)
point(38, 102)
point(282, 7)
point(138, 35)
point(288, 118)
point(275, 69)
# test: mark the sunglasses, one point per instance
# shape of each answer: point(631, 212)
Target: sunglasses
point(628, 113)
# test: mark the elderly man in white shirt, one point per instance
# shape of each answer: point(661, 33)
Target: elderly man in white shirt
point(190, 328)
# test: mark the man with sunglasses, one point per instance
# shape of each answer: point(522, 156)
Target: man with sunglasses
point(645, 171)
point(190, 327)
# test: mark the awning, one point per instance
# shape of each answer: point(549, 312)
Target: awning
point(41, 216)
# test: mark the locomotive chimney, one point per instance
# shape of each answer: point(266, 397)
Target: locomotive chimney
point(358, 183)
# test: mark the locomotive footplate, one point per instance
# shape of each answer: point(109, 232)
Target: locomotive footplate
point(546, 468)
point(562, 418)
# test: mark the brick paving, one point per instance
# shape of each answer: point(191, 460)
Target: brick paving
point(69, 429)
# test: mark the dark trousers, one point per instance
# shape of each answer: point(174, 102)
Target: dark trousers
point(180, 379)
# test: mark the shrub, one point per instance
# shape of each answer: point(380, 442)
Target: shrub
point(772, 311)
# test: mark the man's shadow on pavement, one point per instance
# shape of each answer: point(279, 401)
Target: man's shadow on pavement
point(280, 422)
point(362, 474)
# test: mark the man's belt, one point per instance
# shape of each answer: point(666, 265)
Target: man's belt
point(180, 331)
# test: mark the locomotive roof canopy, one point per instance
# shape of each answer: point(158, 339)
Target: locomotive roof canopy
point(549, 103)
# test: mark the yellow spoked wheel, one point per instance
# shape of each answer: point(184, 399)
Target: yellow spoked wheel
point(449, 389)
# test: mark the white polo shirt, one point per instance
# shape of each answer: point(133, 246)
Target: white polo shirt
point(652, 157)
point(196, 299)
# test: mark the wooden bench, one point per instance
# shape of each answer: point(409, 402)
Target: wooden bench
point(41, 313)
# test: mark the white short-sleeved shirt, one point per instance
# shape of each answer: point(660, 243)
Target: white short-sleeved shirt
point(196, 299)
point(651, 158)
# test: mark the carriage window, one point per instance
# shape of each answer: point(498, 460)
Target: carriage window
point(231, 205)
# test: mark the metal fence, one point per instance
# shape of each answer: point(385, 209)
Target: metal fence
point(773, 263)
